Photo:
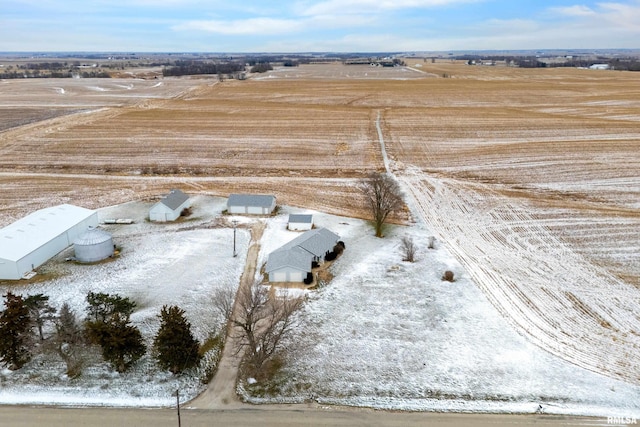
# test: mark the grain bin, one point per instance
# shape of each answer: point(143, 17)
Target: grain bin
point(93, 245)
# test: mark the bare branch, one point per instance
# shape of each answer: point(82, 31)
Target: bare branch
point(408, 249)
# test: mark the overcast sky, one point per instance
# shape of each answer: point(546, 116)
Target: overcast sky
point(316, 25)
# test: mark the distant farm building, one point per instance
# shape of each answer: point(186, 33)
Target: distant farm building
point(600, 67)
point(170, 207)
point(293, 261)
point(33, 240)
point(251, 204)
point(93, 245)
point(300, 222)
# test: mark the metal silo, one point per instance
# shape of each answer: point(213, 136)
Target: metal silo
point(93, 245)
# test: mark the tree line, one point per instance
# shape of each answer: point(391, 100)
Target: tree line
point(186, 68)
point(107, 325)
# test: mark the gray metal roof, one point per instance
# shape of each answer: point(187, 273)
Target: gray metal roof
point(259, 200)
point(301, 218)
point(296, 258)
point(174, 199)
point(318, 241)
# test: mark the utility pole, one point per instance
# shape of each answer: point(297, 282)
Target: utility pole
point(178, 405)
point(235, 223)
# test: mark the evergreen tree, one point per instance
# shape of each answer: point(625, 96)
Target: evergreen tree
point(39, 311)
point(122, 346)
point(14, 332)
point(175, 347)
point(108, 325)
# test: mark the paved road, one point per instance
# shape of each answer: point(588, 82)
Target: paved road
point(288, 416)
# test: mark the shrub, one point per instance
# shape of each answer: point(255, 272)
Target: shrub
point(330, 256)
point(448, 276)
point(309, 279)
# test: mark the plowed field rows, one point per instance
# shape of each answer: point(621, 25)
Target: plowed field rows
point(545, 287)
point(531, 177)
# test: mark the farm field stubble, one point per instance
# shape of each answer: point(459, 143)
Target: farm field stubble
point(559, 144)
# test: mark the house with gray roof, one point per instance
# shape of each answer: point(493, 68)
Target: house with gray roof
point(300, 222)
point(291, 265)
point(251, 204)
point(170, 207)
point(293, 261)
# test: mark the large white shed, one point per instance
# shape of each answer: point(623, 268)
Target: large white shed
point(251, 204)
point(170, 207)
point(36, 238)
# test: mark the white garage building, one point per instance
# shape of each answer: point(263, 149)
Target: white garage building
point(34, 239)
point(251, 204)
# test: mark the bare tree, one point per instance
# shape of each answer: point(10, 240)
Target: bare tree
point(223, 302)
point(70, 342)
point(408, 249)
point(383, 196)
point(261, 323)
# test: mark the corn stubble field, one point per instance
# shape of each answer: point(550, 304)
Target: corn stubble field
point(530, 177)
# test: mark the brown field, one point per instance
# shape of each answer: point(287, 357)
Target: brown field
point(552, 154)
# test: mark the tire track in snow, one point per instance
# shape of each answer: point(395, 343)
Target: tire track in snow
point(550, 294)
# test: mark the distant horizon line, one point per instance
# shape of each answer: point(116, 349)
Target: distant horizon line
point(354, 52)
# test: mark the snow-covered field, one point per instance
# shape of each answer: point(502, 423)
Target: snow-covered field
point(553, 296)
point(384, 333)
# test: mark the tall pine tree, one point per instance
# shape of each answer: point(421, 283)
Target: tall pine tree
point(39, 311)
point(109, 326)
point(175, 347)
point(15, 329)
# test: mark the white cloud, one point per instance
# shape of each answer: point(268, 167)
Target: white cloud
point(577, 10)
point(369, 6)
point(251, 26)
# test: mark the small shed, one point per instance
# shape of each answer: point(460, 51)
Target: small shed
point(93, 245)
point(251, 204)
point(300, 222)
point(170, 207)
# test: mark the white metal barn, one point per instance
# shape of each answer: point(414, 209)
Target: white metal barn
point(300, 222)
point(251, 204)
point(34, 239)
point(170, 207)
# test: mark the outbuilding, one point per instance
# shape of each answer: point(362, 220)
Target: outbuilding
point(293, 261)
point(93, 245)
point(251, 204)
point(289, 265)
point(300, 222)
point(170, 207)
point(33, 240)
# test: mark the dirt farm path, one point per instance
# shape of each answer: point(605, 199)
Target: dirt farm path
point(221, 392)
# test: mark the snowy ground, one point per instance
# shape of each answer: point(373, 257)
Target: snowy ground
point(393, 335)
point(384, 333)
point(173, 264)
